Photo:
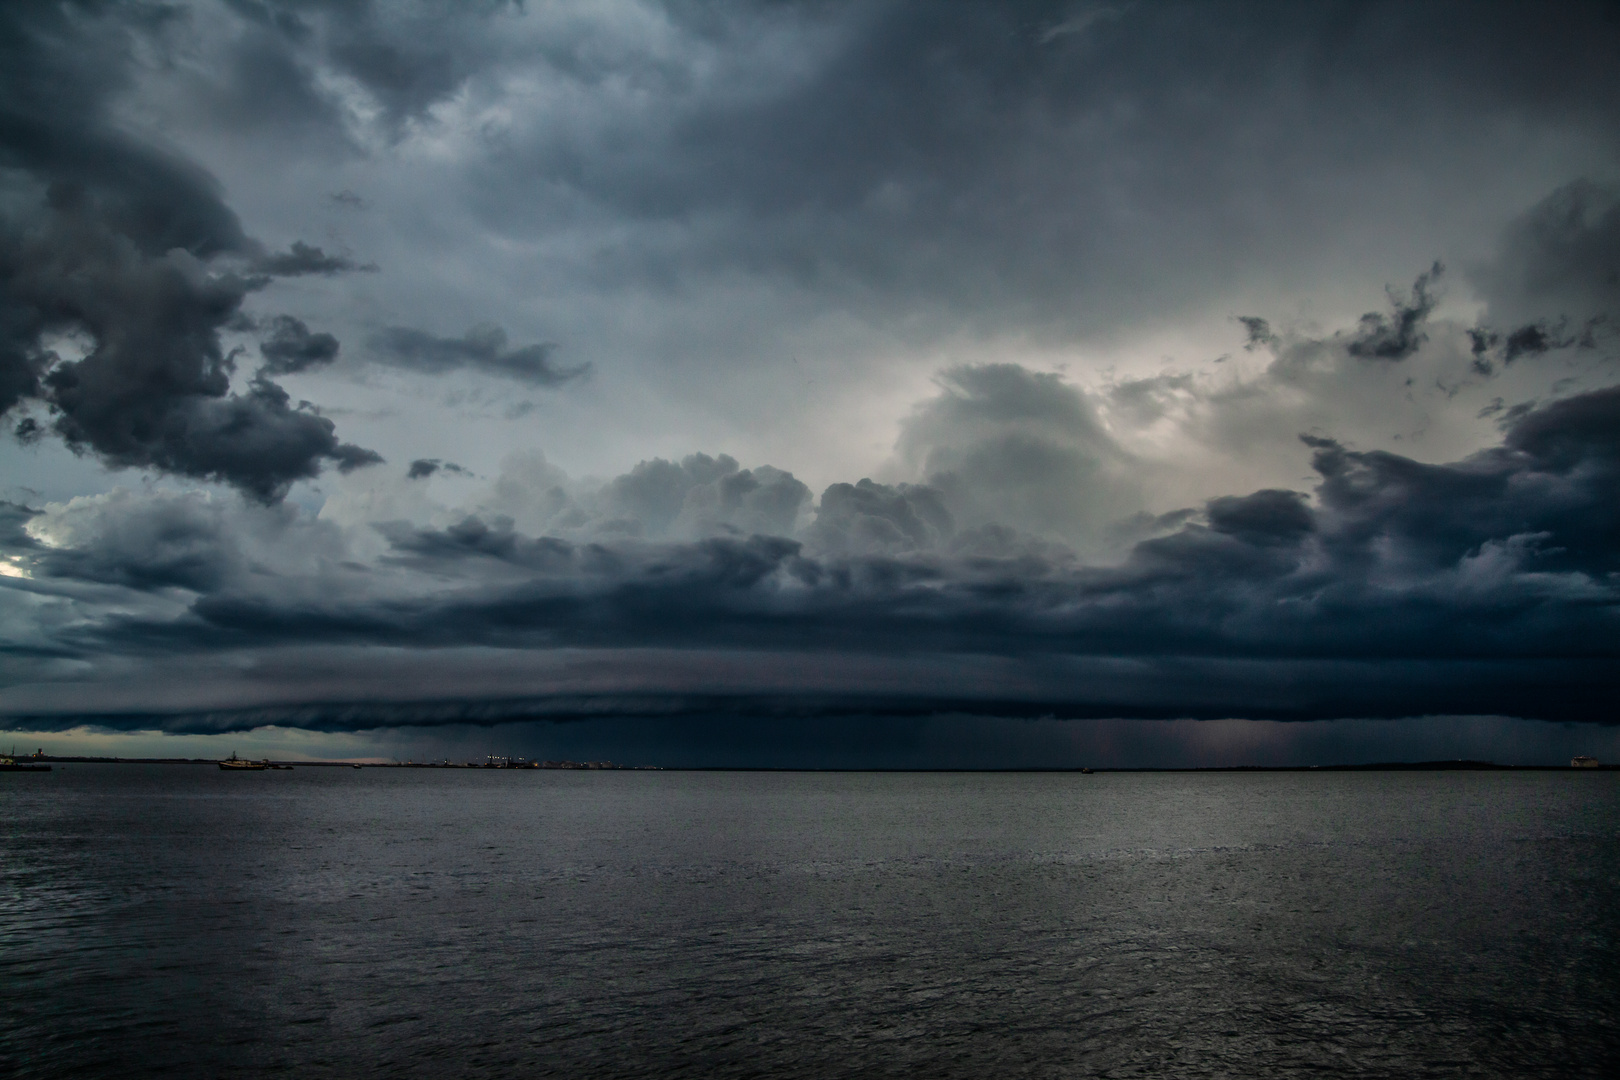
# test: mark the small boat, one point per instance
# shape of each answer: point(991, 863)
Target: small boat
point(1085, 772)
point(236, 764)
point(356, 766)
point(281, 768)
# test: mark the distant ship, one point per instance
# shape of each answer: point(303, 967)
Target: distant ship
point(11, 765)
point(233, 763)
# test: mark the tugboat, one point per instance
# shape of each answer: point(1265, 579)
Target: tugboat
point(236, 764)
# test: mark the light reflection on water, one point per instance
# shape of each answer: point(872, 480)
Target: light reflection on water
point(180, 921)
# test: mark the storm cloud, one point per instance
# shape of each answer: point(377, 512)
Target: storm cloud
point(153, 388)
point(1397, 588)
point(132, 255)
point(808, 359)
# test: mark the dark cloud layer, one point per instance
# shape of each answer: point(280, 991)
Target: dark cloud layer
point(1486, 585)
point(1017, 163)
point(935, 154)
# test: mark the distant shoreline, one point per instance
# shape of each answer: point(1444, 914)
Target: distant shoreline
point(1382, 766)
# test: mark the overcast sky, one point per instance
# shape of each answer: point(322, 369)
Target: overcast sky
point(733, 369)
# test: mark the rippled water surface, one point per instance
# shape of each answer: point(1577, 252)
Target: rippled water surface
point(180, 921)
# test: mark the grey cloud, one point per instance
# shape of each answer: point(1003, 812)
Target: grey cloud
point(483, 349)
point(155, 201)
point(923, 169)
point(764, 499)
point(960, 161)
point(273, 16)
point(422, 468)
point(471, 537)
point(868, 517)
point(1080, 23)
point(161, 540)
point(1258, 331)
point(701, 495)
point(1005, 444)
point(1575, 434)
point(302, 259)
point(21, 362)
point(132, 248)
point(1408, 377)
point(274, 67)
point(1560, 261)
point(1398, 335)
point(410, 59)
point(653, 493)
point(698, 496)
point(1555, 281)
point(1145, 401)
point(155, 542)
point(1506, 415)
point(14, 518)
point(1262, 519)
point(262, 80)
point(1532, 340)
point(292, 347)
point(974, 163)
point(1007, 546)
point(154, 389)
point(534, 494)
point(1402, 588)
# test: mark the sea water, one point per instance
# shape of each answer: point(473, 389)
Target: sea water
point(180, 921)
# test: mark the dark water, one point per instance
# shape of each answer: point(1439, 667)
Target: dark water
point(179, 921)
